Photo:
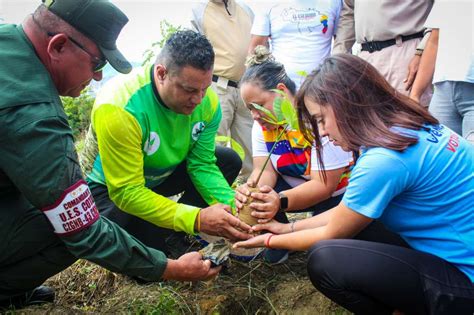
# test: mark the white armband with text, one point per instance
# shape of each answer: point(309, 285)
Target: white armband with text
point(74, 211)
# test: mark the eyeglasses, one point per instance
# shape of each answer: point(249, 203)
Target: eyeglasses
point(99, 63)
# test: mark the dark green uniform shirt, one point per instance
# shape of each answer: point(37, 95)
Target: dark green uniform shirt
point(39, 165)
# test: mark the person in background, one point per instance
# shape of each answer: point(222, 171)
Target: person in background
point(152, 135)
point(392, 36)
point(300, 33)
point(293, 180)
point(227, 23)
point(427, 201)
point(48, 218)
point(450, 57)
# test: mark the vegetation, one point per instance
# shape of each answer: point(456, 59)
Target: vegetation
point(166, 30)
point(78, 111)
point(283, 116)
point(242, 288)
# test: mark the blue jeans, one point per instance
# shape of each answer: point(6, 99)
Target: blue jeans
point(453, 105)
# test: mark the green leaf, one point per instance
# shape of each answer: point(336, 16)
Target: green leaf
point(302, 73)
point(277, 108)
point(289, 112)
point(284, 108)
point(271, 117)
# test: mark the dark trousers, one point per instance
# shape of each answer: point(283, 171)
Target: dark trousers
point(30, 252)
point(377, 277)
point(151, 235)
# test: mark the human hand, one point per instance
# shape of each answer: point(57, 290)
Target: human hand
point(412, 71)
point(190, 267)
point(269, 204)
point(241, 194)
point(217, 220)
point(274, 227)
point(257, 241)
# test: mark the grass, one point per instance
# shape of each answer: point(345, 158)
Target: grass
point(241, 288)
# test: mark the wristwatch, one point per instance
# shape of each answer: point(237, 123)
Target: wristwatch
point(283, 201)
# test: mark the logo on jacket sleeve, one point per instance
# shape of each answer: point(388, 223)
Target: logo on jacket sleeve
point(198, 128)
point(152, 144)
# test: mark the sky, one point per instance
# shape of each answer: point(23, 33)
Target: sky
point(141, 31)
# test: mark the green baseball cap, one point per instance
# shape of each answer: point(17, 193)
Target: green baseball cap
point(99, 20)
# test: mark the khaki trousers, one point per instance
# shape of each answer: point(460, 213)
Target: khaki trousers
point(392, 62)
point(236, 122)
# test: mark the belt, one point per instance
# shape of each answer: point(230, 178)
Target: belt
point(231, 83)
point(379, 45)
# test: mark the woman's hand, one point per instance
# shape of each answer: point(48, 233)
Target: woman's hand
point(269, 204)
point(273, 226)
point(257, 241)
point(266, 208)
point(241, 194)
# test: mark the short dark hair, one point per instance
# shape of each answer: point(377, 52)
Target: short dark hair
point(265, 72)
point(365, 105)
point(186, 48)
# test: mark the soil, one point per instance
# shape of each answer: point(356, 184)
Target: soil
point(241, 288)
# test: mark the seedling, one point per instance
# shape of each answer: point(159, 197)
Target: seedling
point(284, 116)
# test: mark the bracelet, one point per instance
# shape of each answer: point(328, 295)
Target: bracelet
point(292, 226)
point(267, 241)
point(199, 221)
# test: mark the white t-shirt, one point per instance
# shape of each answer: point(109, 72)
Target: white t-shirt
point(300, 32)
point(455, 58)
point(333, 157)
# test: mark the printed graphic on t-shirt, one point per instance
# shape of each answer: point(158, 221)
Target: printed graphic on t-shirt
point(73, 211)
point(198, 128)
point(307, 20)
point(437, 131)
point(293, 150)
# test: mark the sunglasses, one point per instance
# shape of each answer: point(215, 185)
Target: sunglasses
point(99, 63)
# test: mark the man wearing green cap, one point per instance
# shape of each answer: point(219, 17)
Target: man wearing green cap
point(48, 217)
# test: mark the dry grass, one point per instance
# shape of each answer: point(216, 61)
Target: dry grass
point(242, 288)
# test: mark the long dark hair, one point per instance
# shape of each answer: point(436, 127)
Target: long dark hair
point(365, 105)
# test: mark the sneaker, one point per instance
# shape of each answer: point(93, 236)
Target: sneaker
point(275, 256)
point(37, 296)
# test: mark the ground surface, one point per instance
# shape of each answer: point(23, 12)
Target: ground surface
point(243, 288)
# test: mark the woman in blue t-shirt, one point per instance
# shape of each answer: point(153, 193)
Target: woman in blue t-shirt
point(414, 175)
point(291, 179)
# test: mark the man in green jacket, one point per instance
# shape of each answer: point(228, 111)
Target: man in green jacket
point(48, 217)
point(153, 135)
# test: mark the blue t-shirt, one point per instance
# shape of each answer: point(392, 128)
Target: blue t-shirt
point(425, 194)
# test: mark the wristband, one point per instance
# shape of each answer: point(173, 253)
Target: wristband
point(199, 221)
point(267, 241)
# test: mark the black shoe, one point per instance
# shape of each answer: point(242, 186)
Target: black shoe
point(37, 296)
